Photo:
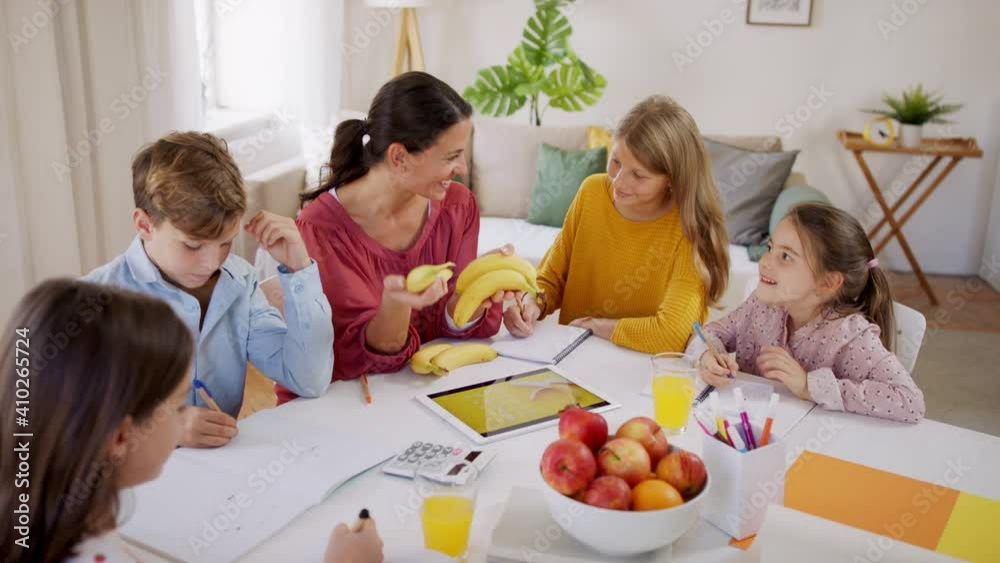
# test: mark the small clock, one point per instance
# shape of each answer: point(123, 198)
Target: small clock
point(880, 131)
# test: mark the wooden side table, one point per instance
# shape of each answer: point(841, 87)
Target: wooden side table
point(938, 149)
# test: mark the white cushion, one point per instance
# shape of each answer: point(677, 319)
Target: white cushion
point(530, 241)
point(505, 162)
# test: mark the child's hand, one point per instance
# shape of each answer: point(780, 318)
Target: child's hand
point(776, 363)
point(394, 289)
point(280, 238)
point(714, 372)
point(520, 318)
point(362, 546)
point(204, 428)
point(602, 328)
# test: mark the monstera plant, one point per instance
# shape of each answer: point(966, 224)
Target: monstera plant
point(543, 63)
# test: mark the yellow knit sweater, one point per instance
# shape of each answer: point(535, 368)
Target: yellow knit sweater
point(642, 273)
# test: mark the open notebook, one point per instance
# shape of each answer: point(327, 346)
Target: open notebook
point(216, 505)
point(549, 344)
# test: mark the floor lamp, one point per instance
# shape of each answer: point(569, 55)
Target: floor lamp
point(408, 41)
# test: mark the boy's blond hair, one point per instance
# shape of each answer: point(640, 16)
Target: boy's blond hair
point(190, 179)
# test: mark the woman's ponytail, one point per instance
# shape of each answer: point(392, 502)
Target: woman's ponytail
point(413, 109)
point(347, 159)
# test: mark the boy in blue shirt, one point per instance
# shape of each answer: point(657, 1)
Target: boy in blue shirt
point(189, 200)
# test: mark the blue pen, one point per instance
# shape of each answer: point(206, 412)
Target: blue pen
point(708, 388)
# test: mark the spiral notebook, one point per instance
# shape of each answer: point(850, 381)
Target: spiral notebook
point(549, 344)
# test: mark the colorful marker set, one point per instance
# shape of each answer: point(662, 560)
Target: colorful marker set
point(739, 434)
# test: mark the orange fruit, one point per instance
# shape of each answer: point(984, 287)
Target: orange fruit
point(653, 494)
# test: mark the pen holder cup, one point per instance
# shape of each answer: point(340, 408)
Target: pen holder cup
point(744, 483)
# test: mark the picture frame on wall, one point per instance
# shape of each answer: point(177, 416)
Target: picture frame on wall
point(779, 12)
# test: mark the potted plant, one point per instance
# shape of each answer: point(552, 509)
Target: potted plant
point(543, 63)
point(916, 107)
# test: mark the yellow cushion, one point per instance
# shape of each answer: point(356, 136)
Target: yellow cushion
point(599, 137)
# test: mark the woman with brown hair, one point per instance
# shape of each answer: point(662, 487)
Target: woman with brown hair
point(388, 204)
point(100, 377)
point(643, 251)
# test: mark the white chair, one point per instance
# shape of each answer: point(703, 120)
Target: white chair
point(910, 328)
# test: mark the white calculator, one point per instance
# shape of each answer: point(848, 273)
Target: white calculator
point(451, 460)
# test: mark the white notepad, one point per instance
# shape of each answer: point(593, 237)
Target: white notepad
point(216, 505)
point(549, 344)
point(525, 516)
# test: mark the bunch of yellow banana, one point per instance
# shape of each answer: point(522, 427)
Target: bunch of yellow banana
point(440, 359)
point(421, 277)
point(487, 275)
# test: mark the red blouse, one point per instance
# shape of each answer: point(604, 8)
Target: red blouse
point(352, 266)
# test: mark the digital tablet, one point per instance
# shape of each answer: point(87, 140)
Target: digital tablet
point(508, 406)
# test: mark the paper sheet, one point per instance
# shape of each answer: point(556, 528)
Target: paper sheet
point(793, 536)
point(215, 505)
point(905, 510)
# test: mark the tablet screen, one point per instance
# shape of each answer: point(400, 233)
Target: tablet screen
point(491, 408)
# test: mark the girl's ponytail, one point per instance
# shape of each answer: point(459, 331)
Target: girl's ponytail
point(875, 302)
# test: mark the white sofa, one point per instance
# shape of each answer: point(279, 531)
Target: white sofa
point(502, 163)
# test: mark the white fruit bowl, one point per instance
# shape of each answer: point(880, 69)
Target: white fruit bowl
point(619, 532)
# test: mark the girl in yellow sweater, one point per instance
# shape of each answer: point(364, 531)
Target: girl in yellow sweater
point(643, 250)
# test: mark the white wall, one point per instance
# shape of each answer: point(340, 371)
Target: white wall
point(748, 78)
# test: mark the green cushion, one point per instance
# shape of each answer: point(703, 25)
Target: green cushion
point(560, 174)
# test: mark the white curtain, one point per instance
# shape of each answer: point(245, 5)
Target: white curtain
point(84, 85)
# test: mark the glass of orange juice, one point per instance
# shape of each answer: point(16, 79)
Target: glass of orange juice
point(449, 495)
point(673, 389)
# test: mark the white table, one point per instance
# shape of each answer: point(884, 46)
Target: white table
point(922, 451)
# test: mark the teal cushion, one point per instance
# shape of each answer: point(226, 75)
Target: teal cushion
point(560, 174)
point(792, 196)
point(787, 199)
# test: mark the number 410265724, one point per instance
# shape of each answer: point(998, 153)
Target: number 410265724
point(22, 364)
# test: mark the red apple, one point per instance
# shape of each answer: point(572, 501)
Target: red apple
point(568, 466)
point(625, 458)
point(648, 433)
point(609, 492)
point(684, 470)
point(583, 426)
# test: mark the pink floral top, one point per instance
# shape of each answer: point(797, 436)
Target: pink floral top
point(848, 367)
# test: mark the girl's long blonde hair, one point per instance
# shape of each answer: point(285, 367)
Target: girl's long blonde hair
point(665, 138)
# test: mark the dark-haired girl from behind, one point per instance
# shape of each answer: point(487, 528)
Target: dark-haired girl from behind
point(107, 373)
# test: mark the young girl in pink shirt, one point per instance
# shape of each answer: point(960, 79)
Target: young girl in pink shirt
point(820, 321)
